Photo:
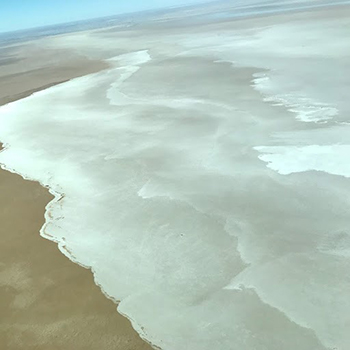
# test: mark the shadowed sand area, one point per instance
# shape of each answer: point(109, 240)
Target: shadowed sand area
point(47, 301)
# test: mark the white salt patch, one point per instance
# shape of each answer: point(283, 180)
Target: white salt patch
point(333, 159)
point(131, 59)
point(130, 63)
point(306, 109)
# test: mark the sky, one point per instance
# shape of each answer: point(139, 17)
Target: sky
point(22, 14)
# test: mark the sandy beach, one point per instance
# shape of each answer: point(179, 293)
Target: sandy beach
point(47, 301)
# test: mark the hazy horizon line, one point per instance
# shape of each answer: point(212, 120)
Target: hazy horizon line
point(108, 16)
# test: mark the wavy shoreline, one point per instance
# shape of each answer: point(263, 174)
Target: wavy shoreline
point(120, 332)
point(65, 251)
point(57, 196)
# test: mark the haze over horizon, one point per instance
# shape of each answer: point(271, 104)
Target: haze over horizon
point(19, 15)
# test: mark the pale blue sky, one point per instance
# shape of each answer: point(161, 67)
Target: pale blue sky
point(21, 14)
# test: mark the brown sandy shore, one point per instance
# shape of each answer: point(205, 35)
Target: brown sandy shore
point(46, 301)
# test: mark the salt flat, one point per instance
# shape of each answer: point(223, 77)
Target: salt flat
point(203, 177)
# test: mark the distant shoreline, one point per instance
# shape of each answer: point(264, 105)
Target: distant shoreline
point(24, 35)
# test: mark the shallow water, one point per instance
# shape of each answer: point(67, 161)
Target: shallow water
point(203, 200)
